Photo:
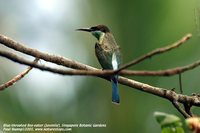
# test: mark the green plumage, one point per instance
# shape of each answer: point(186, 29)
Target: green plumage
point(105, 49)
point(107, 53)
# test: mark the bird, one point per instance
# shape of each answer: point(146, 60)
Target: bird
point(108, 54)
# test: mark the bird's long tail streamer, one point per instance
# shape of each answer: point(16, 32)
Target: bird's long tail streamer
point(115, 91)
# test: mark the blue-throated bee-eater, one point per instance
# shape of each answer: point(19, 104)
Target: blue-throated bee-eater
point(108, 54)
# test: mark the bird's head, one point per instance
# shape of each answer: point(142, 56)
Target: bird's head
point(98, 31)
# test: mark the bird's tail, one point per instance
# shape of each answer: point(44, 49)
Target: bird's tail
point(115, 92)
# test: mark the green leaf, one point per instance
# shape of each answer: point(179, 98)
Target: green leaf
point(172, 130)
point(169, 123)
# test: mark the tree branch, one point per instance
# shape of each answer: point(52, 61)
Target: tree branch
point(161, 92)
point(18, 77)
point(99, 72)
point(76, 65)
point(188, 107)
point(177, 106)
point(167, 72)
point(59, 60)
point(155, 52)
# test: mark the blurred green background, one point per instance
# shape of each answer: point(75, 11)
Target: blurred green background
point(139, 26)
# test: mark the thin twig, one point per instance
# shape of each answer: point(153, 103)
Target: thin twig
point(155, 52)
point(177, 106)
point(180, 83)
point(18, 77)
point(167, 72)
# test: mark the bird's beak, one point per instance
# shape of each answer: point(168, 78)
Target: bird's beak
point(85, 29)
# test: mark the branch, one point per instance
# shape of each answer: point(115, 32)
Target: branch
point(167, 72)
point(98, 72)
point(23, 61)
point(188, 107)
point(155, 52)
point(59, 60)
point(76, 65)
point(161, 92)
point(177, 106)
point(18, 77)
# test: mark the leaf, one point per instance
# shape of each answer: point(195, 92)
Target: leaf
point(169, 123)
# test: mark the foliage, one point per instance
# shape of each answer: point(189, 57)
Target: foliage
point(173, 124)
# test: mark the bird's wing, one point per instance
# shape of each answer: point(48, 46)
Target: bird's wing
point(104, 56)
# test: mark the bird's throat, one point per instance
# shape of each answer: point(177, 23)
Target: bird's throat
point(99, 35)
point(101, 38)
